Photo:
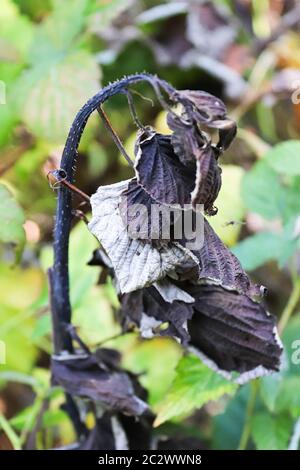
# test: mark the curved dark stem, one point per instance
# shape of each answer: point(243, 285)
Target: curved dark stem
point(63, 334)
point(59, 273)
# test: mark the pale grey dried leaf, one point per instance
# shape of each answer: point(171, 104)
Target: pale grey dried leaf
point(170, 292)
point(136, 264)
point(148, 310)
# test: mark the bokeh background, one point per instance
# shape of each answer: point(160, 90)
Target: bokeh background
point(54, 55)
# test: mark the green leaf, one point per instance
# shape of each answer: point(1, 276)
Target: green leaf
point(20, 420)
point(92, 310)
point(62, 75)
point(59, 31)
point(42, 327)
point(53, 418)
point(105, 12)
point(16, 33)
point(230, 205)
point(271, 433)
point(35, 9)
point(228, 426)
point(50, 94)
point(20, 351)
point(291, 337)
point(269, 390)
point(8, 120)
point(285, 157)
point(20, 289)
point(12, 220)
point(194, 385)
point(258, 249)
point(18, 377)
point(289, 396)
point(262, 192)
point(145, 358)
point(9, 431)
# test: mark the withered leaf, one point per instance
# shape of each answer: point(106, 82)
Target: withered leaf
point(83, 376)
point(208, 180)
point(219, 266)
point(234, 332)
point(148, 310)
point(160, 172)
point(186, 139)
point(206, 108)
point(134, 197)
point(136, 264)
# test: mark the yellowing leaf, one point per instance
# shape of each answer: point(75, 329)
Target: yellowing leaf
point(20, 287)
point(194, 385)
point(161, 123)
point(154, 359)
point(12, 219)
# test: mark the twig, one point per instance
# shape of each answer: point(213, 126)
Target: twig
point(114, 135)
point(146, 98)
point(133, 110)
point(289, 21)
point(61, 178)
point(290, 306)
point(256, 144)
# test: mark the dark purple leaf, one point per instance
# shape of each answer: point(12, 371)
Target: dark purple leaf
point(233, 331)
point(228, 330)
point(217, 265)
point(137, 264)
point(145, 218)
point(83, 376)
point(208, 180)
point(206, 108)
point(132, 198)
point(160, 172)
point(147, 309)
point(138, 431)
point(186, 139)
point(227, 132)
point(100, 258)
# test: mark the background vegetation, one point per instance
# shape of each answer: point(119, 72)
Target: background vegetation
point(54, 55)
